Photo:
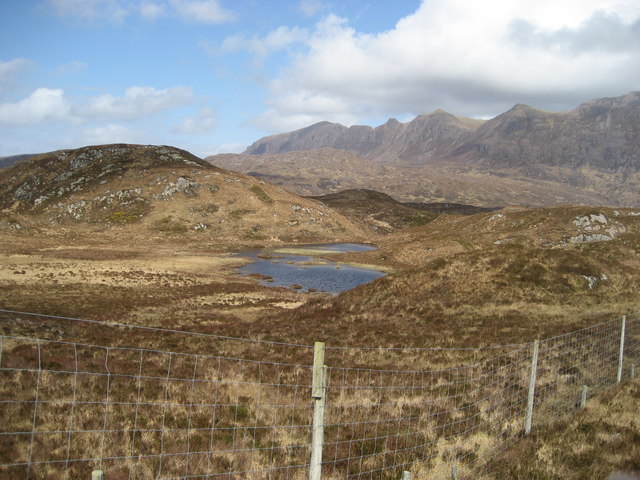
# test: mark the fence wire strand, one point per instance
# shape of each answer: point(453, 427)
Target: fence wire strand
point(67, 408)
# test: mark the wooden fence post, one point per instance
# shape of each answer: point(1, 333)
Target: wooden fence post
point(532, 387)
point(406, 475)
point(583, 396)
point(621, 354)
point(632, 373)
point(97, 475)
point(454, 472)
point(318, 393)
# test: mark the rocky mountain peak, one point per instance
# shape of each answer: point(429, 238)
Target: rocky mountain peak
point(629, 101)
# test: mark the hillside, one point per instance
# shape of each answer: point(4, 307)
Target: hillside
point(525, 156)
point(376, 211)
point(151, 191)
point(492, 278)
point(313, 172)
point(326, 171)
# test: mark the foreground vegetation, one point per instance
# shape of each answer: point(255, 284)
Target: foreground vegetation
point(483, 280)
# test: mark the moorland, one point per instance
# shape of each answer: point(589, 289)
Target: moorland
point(148, 236)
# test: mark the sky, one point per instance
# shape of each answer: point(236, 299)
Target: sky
point(213, 76)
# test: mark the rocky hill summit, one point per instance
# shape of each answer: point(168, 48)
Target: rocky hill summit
point(156, 191)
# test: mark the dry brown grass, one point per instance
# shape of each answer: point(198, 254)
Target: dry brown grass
point(452, 286)
point(594, 443)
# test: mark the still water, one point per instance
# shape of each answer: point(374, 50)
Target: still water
point(288, 269)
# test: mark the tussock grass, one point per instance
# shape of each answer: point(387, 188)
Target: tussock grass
point(530, 285)
point(594, 443)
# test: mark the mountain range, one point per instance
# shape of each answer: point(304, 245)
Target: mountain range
point(525, 156)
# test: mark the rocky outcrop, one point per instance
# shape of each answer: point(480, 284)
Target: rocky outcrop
point(45, 179)
point(596, 227)
point(139, 191)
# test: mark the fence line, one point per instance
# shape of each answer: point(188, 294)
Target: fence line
point(68, 408)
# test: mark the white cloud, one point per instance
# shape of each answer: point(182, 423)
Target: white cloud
point(138, 102)
point(89, 10)
point(151, 10)
point(10, 70)
point(468, 57)
point(310, 7)
point(202, 11)
point(111, 133)
point(202, 123)
point(276, 40)
point(44, 104)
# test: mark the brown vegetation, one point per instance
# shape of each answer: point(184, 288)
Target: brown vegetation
point(493, 278)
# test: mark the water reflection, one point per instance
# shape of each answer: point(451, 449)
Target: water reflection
point(307, 272)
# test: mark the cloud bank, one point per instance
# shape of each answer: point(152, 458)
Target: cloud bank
point(471, 58)
point(196, 11)
point(48, 105)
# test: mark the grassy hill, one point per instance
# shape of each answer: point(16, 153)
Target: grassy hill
point(376, 211)
point(149, 191)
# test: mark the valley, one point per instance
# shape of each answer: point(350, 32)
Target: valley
point(160, 237)
point(103, 245)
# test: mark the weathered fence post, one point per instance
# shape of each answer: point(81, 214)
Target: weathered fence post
point(583, 396)
point(406, 475)
point(632, 373)
point(454, 472)
point(621, 355)
point(318, 392)
point(532, 387)
point(97, 475)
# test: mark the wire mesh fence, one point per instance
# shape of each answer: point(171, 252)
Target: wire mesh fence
point(67, 408)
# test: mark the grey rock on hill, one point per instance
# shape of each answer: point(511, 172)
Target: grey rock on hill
point(42, 179)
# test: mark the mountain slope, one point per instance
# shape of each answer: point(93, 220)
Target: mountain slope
point(602, 134)
point(426, 136)
point(158, 191)
point(327, 171)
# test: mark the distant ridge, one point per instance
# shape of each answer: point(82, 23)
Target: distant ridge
point(429, 135)
point(12, 159)
point(526, 156)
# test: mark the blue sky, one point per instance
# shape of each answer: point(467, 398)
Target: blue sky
point(213, 76)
